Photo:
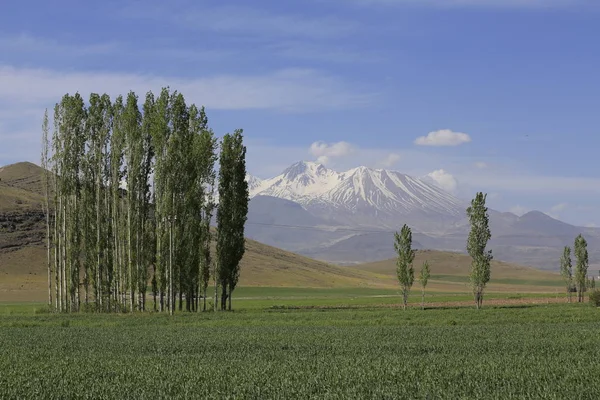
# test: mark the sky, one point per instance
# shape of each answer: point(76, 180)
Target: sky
point(499, 96)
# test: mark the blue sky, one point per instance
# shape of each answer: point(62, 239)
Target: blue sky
point(507, 90)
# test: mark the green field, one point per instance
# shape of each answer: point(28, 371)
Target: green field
point(544, 351)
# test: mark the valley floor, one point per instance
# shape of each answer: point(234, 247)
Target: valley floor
point(268, 349)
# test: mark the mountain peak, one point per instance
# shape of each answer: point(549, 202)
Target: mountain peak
point(304, 167)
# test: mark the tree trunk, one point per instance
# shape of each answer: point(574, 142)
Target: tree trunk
point(216, 287)
point(98, 244)
point(223, 297)
point(171, 296)
point(48, 245)
point(229, 299)
point(423, 300)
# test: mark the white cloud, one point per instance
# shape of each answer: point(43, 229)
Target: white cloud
point(324, 152)
point(390, 160)
point(444, 137)
point(444, 180)
point(556, 210)
point(481, 165)
point(519, 210)
point(286, 90)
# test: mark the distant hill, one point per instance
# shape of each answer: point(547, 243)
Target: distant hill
point(452, 267)
point(22, 251)
point(358, 211)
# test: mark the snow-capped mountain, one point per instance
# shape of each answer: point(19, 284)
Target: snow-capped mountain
point(253, 182)
point(364, 196)
point(348, 217)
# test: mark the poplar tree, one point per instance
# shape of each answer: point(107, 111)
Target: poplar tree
point(424, 275)
point(131, 126)
point(160, 136)
point(404, 263)
point(206, 157)
point(479, 236)
point(581, 265)
point(566, 270)
point(46, 203)
point(231, 213)
point(117, 145)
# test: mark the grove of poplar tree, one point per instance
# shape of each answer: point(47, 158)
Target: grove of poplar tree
point(130, 195)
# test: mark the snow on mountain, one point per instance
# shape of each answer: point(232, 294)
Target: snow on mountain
point(253, 182)
point(361, 195)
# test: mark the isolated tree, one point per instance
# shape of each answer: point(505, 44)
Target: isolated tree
point(566, 270)
point(46, 203)
point(581, 265)
point(477, 241)
point(424, 278)
point(404, 263)
point(231, 212)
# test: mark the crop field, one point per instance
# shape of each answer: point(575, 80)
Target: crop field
point(548, 351)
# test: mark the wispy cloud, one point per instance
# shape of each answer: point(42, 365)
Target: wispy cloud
point(291, 90)
point(325, 152)
point(26, 43)
point(239, 20)
point(525, 4)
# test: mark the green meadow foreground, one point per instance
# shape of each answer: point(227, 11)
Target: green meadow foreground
point(262, 351)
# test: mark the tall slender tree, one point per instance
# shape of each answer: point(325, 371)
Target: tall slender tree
point(424, 275)
point(476, 246)
point(46, 204)
point(566, 270)
point(581, 265)
point(404, 263)
point(231, 213)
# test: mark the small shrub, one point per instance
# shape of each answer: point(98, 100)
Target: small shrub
point(595, 298)
point(65, 323)
point(42, 310)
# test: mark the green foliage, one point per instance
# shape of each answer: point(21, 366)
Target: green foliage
point(479, 236)
point(110, 230)
point(310, 354)
point(404, 264)
point(231, 212)
point(566, 270)
point(424, 275)
point(581, 265)
point(595, 298)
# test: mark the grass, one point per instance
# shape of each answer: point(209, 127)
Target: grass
point(542, 352)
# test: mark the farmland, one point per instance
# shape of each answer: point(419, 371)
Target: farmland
point(544, 351)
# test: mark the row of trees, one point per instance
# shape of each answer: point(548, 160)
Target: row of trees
point(479, 236)
point(578, 280)
point(129, 200)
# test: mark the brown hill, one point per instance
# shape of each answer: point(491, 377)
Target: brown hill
point(452, 270)
point(22, 251)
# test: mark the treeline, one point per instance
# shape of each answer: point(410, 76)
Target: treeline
point(129, 201)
